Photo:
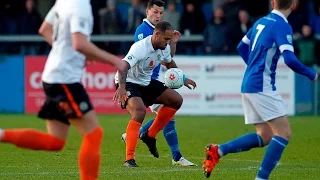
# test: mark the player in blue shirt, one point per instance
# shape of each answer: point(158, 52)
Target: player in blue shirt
point(154, 11)
point(263, 107)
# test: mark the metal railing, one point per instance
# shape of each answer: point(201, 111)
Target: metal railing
point(99, 38)
point(94, 38)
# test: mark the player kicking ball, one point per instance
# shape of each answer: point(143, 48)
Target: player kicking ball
point(137, 90)
point(263, 106)
point(155, 12)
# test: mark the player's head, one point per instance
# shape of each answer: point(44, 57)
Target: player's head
point(285, 6)
point(154, 11)
point(162, 35)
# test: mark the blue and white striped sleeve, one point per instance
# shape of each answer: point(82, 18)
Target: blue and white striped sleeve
point(283, 38)
point(246, 38)
point(243, 46)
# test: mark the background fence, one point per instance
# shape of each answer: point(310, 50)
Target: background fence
point(218, 92)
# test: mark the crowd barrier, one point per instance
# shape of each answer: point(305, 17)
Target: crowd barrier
point(218, 91)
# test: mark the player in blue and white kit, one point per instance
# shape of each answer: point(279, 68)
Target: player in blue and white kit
point(154, 11)
point(263, 107)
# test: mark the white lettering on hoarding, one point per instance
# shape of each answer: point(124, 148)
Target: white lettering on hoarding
point(90, 80)
point(99, 80)
point(35, 80)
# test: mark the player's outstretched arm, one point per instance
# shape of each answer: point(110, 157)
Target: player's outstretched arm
point(292, 62)
point(81, 43)
point(188, 82)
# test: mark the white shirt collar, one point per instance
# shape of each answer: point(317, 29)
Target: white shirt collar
point(147, 21)
point(280, 14)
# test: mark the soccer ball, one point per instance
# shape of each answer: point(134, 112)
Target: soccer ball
point(174, 78)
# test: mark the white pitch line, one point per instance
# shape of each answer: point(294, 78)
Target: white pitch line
point(138, 155)
point(101, 172)
point(138, 171)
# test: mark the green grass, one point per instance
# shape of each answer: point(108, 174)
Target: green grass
point(301, 159)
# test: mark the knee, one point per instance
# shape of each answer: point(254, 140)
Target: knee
point(177, 101)
point(286, 134)
point(138, 114)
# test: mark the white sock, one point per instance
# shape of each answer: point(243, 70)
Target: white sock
point(220, 152)
point(257, 178)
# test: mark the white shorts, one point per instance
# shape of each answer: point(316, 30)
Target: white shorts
point(262, 107)
point(155, 108)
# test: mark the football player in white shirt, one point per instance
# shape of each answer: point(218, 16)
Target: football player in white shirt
point(137, 90)
point(155, 12)
point(67, 28)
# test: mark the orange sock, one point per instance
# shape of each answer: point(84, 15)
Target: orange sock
point(32, 139)
point(132, 138)
point(163, 117)
point(89, 155)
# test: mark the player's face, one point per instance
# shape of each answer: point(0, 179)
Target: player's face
point(155, 14)
point(165, 39)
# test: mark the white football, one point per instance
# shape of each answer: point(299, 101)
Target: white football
point(174, 78)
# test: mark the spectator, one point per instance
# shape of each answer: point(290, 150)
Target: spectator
point(172, 16)
point(237, 30)
point(215, 33)
point(192, 20)
point(29, 23)
point(135, 16)
point(316, 22)
point(111, 23)
point(30, 20)
point(231, 9)
point(298, 18)
point(217, 3)
point(110, 19)
point(306, 46)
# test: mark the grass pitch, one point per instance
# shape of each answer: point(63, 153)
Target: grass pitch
point(301, 159)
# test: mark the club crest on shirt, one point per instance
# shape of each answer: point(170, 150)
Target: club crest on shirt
point(289, 38)
point(140, 36)
point(159, 57)
point(82, 22)
point(83, 106)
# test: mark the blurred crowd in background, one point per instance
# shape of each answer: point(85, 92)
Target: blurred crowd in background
point(222, 23)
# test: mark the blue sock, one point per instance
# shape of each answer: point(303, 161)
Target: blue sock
point(242, 143)
point(146, 126)
point(169, 132)
point(272, 156)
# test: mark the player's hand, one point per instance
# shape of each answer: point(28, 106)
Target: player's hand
point(120, 96)
point(176, 36)
point(190, 83)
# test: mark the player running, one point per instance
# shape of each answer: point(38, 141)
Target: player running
point(263, 106)
point(154, 11)
point(67, 27)
point(137, 90)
